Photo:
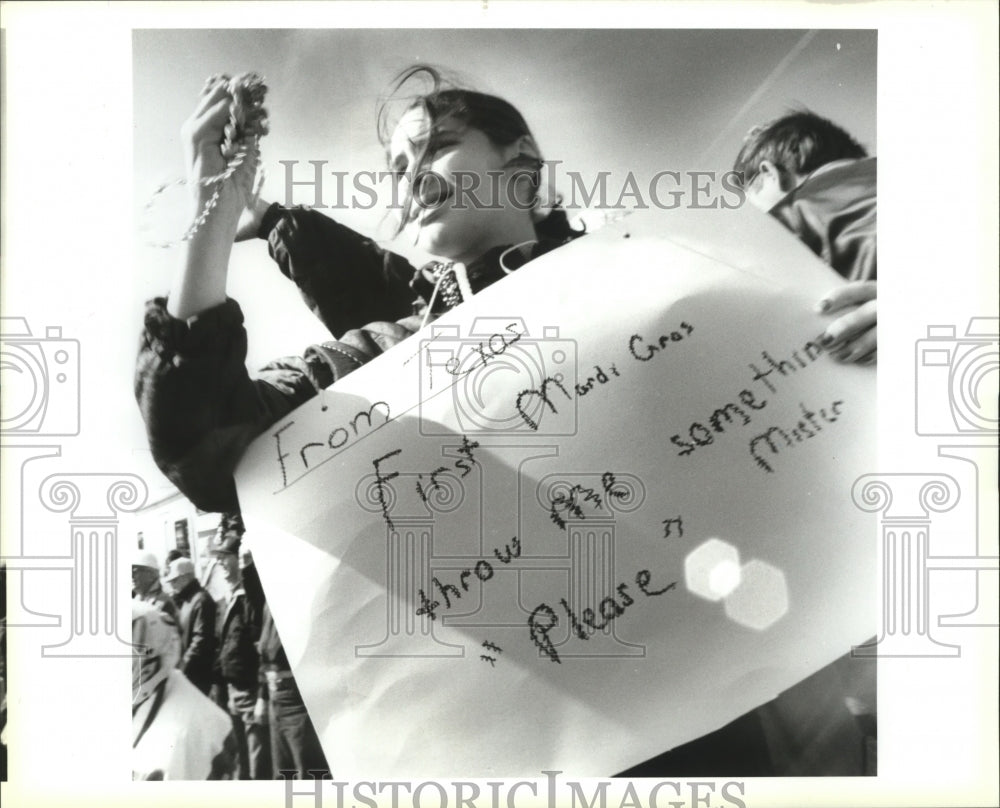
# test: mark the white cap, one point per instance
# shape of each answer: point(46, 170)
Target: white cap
point(144, 558)
point(178, 567)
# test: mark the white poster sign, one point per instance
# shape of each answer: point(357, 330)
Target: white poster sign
point(600, 510)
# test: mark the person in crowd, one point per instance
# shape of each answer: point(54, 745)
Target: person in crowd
point(295, 747)
point(146, 583)
point(169, 557)
point(252, 586)
point(177, 732)
point(196, 613)
point(818, 181)
point(238, 664)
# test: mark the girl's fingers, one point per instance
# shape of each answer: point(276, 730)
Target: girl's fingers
point(206, 122)
point(210, 94)
point(209, 125)
point(218, 113)
point(848, 326)
point(850, 294)
point(212, 80)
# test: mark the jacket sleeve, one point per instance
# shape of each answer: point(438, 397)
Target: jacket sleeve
point(345, 279)
point(200, 406)
point(200, 653)
point(202, 409)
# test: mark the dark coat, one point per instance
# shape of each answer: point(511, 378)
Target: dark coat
point(238, 662)
point(197, 613)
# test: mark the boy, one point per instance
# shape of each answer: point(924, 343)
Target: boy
point(819, 182)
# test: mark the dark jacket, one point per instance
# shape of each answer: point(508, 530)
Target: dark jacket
point(833, 211)
point(254, 590)
point(199, 403)
point(197, 613)
point(238, 662)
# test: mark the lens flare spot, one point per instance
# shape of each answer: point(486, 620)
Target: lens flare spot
point(761, 599)
point(724, 578)
point(710, 567)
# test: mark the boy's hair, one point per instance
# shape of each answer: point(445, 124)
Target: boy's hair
point(798, 143)
point(444, 100)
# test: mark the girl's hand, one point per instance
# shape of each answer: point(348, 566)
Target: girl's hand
point(202, 135)
point(852, 337)
point(200, 282)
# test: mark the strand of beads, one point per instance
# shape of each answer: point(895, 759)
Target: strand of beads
point(247, 124)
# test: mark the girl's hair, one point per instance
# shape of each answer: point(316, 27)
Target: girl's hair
point(444, 100)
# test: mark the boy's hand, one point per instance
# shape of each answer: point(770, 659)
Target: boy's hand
point(852, 337)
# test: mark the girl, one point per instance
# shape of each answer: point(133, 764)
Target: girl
point(469, 172)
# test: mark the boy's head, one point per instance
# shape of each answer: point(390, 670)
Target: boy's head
point(776, 156)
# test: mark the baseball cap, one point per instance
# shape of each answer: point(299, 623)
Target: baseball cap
point(178, 567)
point(144, 558)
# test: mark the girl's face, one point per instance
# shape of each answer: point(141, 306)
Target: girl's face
point(467, 196)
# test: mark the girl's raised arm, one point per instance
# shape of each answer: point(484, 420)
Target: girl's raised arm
point(200, 281)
